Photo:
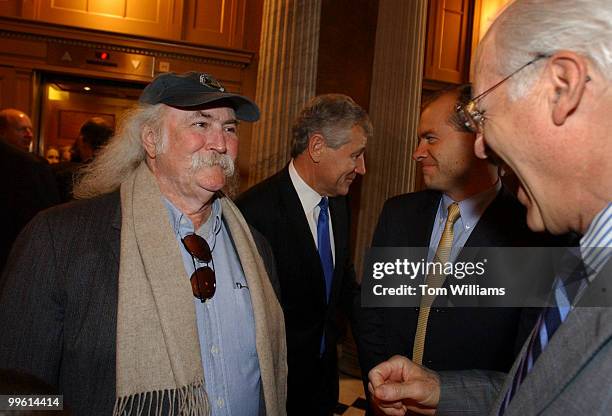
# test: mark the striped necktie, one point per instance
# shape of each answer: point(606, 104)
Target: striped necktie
point(570, 280)
point(434, 281)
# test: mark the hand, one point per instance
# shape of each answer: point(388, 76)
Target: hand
point(399, 385)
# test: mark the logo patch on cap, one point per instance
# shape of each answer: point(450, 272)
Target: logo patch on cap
point(210, 82)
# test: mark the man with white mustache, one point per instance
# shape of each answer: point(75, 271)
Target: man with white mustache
point(303, 213)
point(152, 295)
point(213, 159)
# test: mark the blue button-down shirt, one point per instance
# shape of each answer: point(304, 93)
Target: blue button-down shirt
point(226, 325)
point(471, 210)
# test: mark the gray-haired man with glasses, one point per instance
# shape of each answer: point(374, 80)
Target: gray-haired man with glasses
point(543, 97)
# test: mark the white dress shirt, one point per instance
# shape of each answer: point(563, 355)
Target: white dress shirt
point(310, 204)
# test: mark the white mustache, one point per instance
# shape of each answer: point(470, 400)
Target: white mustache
point(210, 159)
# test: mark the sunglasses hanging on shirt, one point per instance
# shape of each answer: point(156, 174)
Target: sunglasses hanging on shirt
point(203, 281)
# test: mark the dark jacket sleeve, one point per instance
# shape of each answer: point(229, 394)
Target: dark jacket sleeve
point(31, 311)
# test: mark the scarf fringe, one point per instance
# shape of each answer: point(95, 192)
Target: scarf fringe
point(190, 400)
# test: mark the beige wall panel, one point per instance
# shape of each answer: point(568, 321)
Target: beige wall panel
point(447, 41)
point(455, 5)
point(215, 22)
point(145, 10)
point(208, 15)
point(10, 8)
point(135, 17)
point(451, 50)
point(108, 7)
point(23, 90)
point(77, 5)
point(17, 8)
point(16, 89)
point(20, 47)
point(7, 87)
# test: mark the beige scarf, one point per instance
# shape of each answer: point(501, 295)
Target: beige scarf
point(158, 352)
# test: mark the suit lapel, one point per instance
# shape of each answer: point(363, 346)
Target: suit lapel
point(570, 349)
point(486, 229)
point(340, 227)
point(425, 222)
point(294, 219)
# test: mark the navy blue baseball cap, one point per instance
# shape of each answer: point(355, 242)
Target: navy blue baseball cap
point(196, 89)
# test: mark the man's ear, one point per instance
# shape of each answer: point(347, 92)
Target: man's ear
point(569, 76)
point(148, 142)
point(480, 147)
point(316, 145)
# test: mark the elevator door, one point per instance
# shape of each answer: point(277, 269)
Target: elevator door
point(67, 102)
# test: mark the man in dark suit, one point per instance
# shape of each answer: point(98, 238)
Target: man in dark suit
point(151, 295)
point(542, 103)
point(28, 185)
point(312, 253)
point(487, 216)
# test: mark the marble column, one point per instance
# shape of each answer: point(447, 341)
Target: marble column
point(286, 79)
point(395, 99)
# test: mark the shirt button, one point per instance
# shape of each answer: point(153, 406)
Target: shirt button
point(220, 402)
point(214, 349)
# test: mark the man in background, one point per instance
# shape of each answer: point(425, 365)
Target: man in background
point(16, 128)
point(93, 134)
point(28, 185)
point(543, 93)
point(304, 214)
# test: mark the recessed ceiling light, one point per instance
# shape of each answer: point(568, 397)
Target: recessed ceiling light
point(87, 88)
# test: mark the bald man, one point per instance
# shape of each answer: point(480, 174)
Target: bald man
point(16, 128)
point(28, 186)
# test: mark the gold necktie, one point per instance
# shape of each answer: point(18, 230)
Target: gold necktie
point(434, 280)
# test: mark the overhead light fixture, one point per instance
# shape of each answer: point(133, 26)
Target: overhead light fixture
point(87, 88)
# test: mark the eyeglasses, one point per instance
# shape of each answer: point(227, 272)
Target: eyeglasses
point(471, 117)
point(203, 281)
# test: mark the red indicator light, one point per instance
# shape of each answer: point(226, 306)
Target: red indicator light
point(102, 55)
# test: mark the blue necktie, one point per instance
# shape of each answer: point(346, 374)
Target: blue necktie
point(325, 253)
point(570, 279)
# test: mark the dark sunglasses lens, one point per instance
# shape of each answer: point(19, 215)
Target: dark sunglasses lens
point(197, 247)
point(203, 283)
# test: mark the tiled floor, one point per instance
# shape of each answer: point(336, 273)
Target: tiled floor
point(352, 399)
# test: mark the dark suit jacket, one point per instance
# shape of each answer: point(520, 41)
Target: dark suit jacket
point(27, 187)
point(273, 208)
point(457, 338)
point(58, 304)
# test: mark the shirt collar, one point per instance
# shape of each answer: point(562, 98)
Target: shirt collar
point(182, 225)
point(596, 243)
point(308, 196)
point(472, 208)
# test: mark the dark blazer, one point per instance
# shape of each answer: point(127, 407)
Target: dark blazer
point(273, 208)
point(27, 187)
point(457, 338)
point(58, 302)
